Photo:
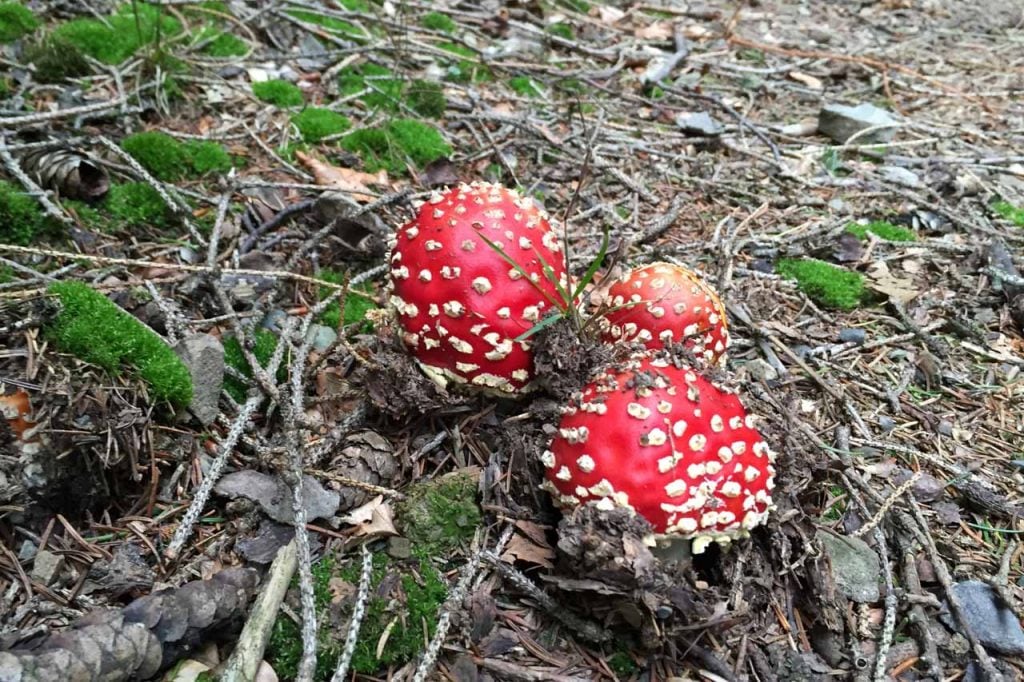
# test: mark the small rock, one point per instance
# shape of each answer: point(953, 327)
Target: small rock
point(230, 71)
point(886, 423)
point(855, 566)
point(399, 548)
point(841, 122)
point(274, 320)
point(289, 74)
point(321, 337)
point(852, 335)
point(275, 498)
point(263, 547)
point(802, 351)
point(47, 566)
point(945, 427)
point(27, 551)
point(698, 123)
point(947, 513)
point(760, 370)
point(900, 176)
point(204, 356)
point(991, 621)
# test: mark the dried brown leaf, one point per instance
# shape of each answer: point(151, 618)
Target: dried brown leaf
point(356, 183)
point(375, 518)
point(522, 549)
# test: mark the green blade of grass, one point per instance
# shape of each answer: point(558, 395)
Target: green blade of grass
point(519, 269)
point(543, 324)
point(549, 275)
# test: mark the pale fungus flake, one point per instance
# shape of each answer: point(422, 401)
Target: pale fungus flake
point(704, 487)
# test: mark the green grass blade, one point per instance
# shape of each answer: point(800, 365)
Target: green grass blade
point(520, 270)
point(594, 264)
point(543, 324)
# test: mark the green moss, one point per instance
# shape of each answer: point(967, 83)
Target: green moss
point(397, 143)
point(1006, 210)
point(121, 34)
point(56, 59)
point(5, 88)
point(134, 204)
point(168, 159)
point(315, 124)
point(581, 6)
point(622, 664)
point(6, 274)
point(15, 21)
point(159, 153)
point(883, 229)
point(207, 157)
point(265, 342)
point(226, 45)
point(380, 88)
point(826, 284)
point(562, 30)
point(440, 516)
point(92, 328)
point(437, 21)
point(341, 27)
point(355, 308)
point(278, 92)
point(412, 597)
point(467, 69)
point(21, 217)
point(426, 98)
point(525, 86)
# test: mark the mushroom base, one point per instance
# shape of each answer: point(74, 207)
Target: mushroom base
point(677, 547)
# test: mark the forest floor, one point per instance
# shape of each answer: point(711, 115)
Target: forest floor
point(296, 136)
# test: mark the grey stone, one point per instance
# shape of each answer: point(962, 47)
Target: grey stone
point(399, 548)
point(841, 122)
point(900, 176)
point(321, 337)
point(852, 335)
point(855, 566)
point(698, 123)
point(886, 423)
point(204, 356)
point(274, 320)
point(760, 370)
point(945, 428)
point(27, 551)
point(47, 566)
point(275, 497)
point(991, 621)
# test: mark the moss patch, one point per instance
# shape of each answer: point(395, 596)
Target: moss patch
point(21, 217)
point(135, 204)
point(1004, 209)
point(525, 86)
point(437, 21)
point(380, 88)
point(440, 516)
point(123, 33)
point(466, 69)
point(314, 123)
point(883, 229)
point(278, 92)
point(394, 145)
point(826, 284)
point(226, 45)
point(562, 30)
point(263, 347)
point(355, 306)
point(412, 596)
point(15, 21)
point(426, 98)
point(340, 27)
point(92, 328)
point(168, 159)
point(56, 59)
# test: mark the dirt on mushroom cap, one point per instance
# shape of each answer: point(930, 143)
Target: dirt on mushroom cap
point(657, 437)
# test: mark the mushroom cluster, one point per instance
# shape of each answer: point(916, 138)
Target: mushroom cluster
point(479, 267)
point(475, 269)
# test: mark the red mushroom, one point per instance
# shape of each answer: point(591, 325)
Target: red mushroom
point(661, 304)
point(656, 437)
point(460, 302)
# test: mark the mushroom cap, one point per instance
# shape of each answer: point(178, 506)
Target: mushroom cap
point(662, 303)
point(460, 303)
point(658, 438)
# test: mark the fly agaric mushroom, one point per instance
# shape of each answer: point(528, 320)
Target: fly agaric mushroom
point(661, 304)
point(669, 444)
point(459, 300)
